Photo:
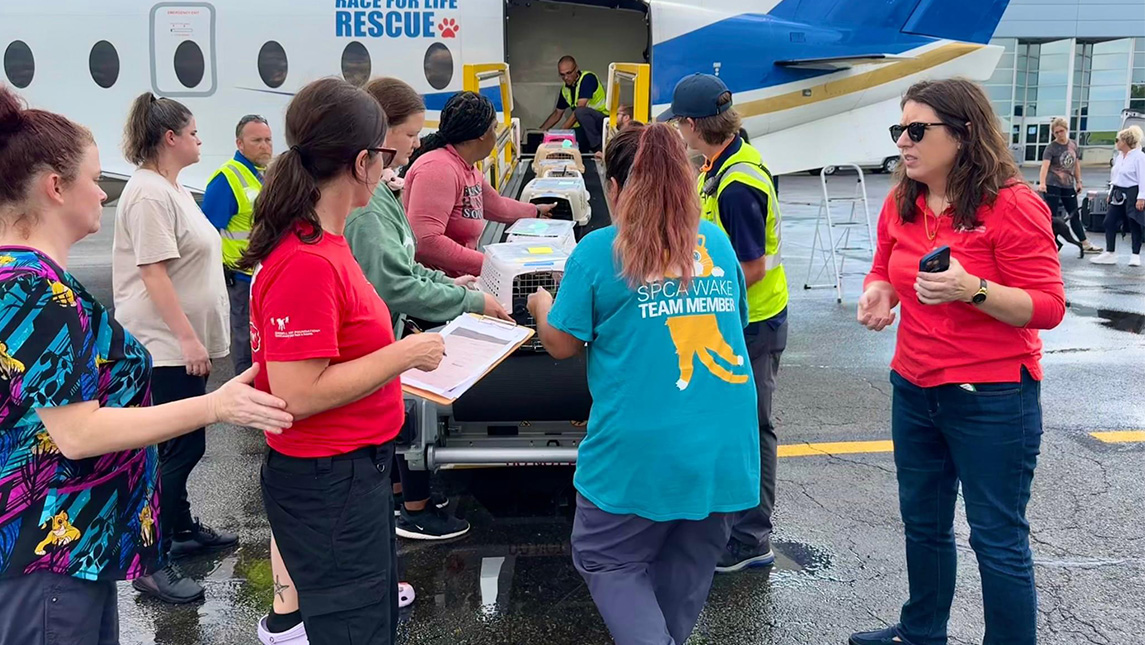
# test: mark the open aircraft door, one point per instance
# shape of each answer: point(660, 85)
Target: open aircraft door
point(632, 80)
point(183, 55)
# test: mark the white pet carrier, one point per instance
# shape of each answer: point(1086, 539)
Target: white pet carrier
point(569, 194)
point(556, 152)
point(559, 168)
point(512, 271)
point(543, 232)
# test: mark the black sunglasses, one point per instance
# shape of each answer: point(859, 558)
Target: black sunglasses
point(388, 155)
point(916, 131)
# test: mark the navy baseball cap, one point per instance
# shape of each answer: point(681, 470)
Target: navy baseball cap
point(697, 97)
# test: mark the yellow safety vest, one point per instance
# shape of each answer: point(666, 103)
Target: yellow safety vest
point(598, 101)
point(246, 186)
point(767, 297)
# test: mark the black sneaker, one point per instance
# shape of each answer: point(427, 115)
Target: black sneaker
point(430, 524)
point(436, 499)
point(169, 584)
point(739, 556)
point(888, 636)
point(200, 539)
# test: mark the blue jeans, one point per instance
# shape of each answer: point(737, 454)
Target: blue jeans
point(988, 439)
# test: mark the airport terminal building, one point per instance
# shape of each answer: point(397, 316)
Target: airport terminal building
point(1082, 59)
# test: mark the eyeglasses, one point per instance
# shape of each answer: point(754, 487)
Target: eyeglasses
point(388, 155)
point(916, 131)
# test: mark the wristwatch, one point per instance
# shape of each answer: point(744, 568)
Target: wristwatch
point(980, 295)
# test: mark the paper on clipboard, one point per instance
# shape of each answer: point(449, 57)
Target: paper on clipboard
point(474, 345)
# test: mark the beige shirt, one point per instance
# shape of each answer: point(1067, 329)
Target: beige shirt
point(156, 222)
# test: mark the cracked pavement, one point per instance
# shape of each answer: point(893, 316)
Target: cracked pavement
point(839, 541)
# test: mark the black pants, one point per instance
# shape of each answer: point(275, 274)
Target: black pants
point(1066, 198)
point(52, 609)
point(764, 347)
point(333, 520)
point(179, 456)
point(239, 291)
point(1120, 213)
point(415, 483)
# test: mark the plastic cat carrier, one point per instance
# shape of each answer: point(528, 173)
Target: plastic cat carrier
point(543, 232)
point(569, 194)
point(512, 271)
point(560, 136)
point(556, 152)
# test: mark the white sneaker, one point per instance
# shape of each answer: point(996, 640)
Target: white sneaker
point(1107, 257)
point(294, 636)
point(1135, 260)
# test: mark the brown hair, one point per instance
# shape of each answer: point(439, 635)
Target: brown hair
point(397, 98)
point(31, 142)
point(715, 130)
point(328, 123)
point(658, 212)
point(984, 165)
point(148, 122)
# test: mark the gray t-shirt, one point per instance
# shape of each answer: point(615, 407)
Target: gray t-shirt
point(157, 222)
point(1063, 160)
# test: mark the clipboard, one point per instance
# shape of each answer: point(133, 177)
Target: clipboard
point(507, 350)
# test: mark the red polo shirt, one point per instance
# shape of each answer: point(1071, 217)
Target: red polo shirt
point(956, 342)
point(313, 301)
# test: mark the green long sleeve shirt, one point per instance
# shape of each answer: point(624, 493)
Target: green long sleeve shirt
point(382, 241)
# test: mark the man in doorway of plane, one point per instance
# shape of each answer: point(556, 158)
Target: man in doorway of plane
point(585, 98)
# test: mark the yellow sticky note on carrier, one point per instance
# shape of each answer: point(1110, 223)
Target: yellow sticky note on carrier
point(539, 250)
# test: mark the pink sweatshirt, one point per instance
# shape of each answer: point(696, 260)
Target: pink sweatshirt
point(447, 201)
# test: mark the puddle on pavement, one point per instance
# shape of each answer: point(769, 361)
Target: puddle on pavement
point(797, 557)
point(1112, 318)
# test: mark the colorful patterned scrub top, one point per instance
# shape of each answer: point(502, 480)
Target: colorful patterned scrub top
point(97, 518)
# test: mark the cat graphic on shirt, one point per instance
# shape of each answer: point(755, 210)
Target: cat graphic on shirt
point(698, 335)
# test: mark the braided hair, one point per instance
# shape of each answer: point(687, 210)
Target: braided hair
point(465, 117)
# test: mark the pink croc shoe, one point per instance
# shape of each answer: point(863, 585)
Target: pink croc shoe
point(294, 636)
point(405, 595)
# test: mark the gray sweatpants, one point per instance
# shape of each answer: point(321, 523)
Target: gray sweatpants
point(764, 347)
point(649, 579)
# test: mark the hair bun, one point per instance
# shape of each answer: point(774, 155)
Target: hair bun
point(11, 112)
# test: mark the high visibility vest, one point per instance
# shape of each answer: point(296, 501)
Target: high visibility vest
point(598, 101)
point(245, 185)
point(767, 297)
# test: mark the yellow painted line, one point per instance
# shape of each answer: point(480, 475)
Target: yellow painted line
point(841, 448)
point(1124, 436)
point(856, 83)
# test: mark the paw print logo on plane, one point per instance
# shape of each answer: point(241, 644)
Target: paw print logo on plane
point(698, 336)
point(448, 28)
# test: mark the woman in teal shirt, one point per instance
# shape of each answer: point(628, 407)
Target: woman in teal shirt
point(660, 301)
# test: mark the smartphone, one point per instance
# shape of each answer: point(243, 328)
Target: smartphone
point(936, 261)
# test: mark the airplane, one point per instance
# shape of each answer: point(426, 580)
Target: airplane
point(817, 81)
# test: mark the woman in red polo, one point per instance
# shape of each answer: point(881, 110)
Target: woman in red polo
point(967, 366)
point(324, 339)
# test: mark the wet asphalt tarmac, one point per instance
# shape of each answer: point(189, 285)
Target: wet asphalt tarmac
point(839, 546)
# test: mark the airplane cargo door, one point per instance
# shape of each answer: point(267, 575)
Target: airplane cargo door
point(183, 60)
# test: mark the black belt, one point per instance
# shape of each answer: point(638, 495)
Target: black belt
point(303, 465)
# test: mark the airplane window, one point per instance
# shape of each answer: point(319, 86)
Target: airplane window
point(19, 64)
point(272, 64)
point(189, 63)
point(356, 63)
point(438, 66)
point(104, 64)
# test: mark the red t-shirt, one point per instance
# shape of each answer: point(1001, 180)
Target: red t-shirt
point(313, 301)
point(956, 342)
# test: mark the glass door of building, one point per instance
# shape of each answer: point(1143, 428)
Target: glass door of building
point(1035, 136)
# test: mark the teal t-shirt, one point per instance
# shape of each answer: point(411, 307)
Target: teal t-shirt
point(674, 430)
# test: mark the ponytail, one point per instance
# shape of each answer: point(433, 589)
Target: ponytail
point(465, 117)
point(658, 212)
point(148, 122)
point(328, 124)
